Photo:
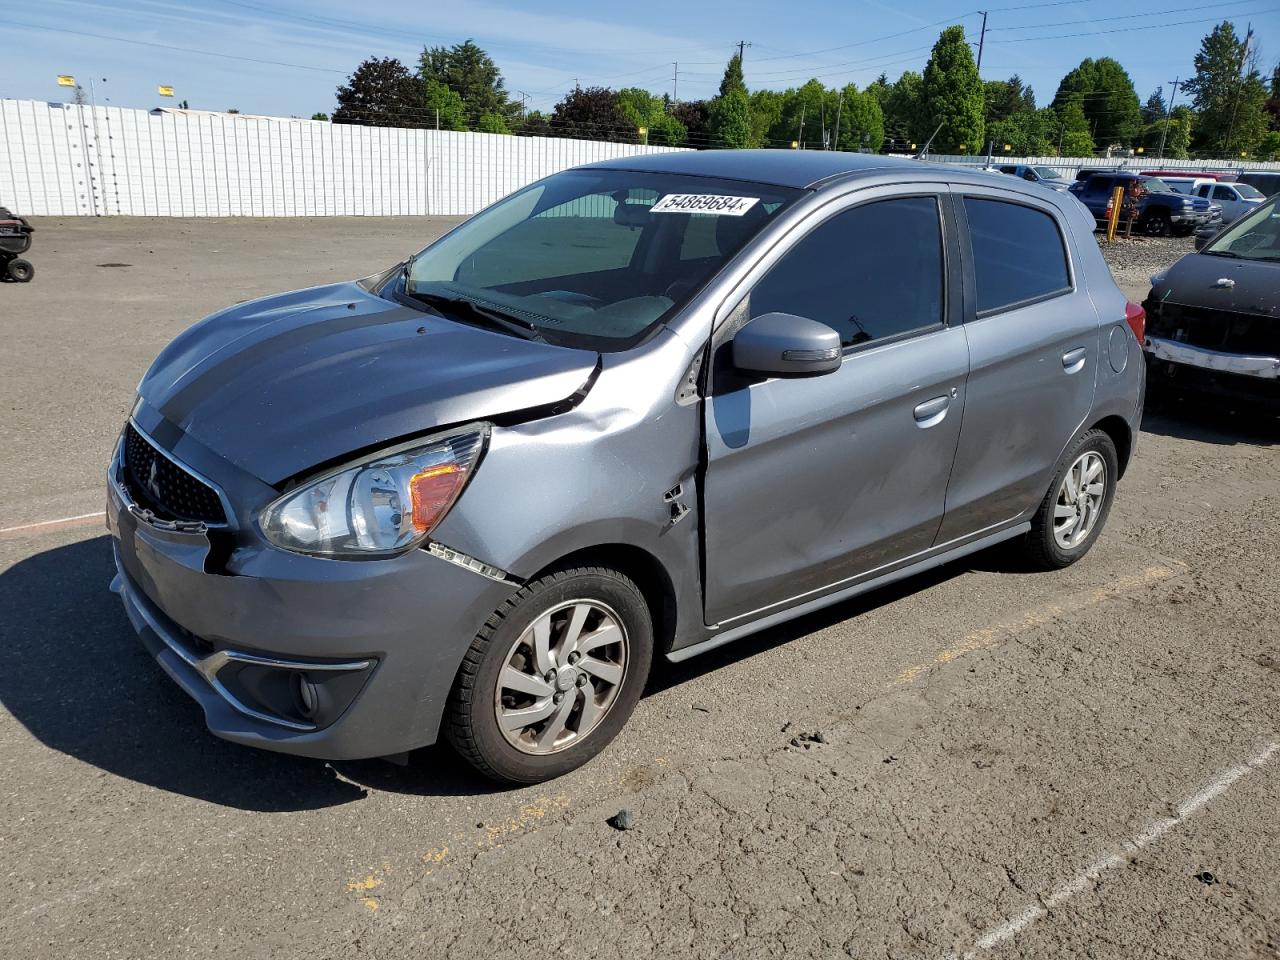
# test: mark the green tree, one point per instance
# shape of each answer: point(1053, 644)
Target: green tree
point(729, 114)
point(444, 109)
point(732, 79)
point(593, 113)
point(1269, 147)
point(1155, 108)
point(471, 73)
point(1108, 99)
point(860, 120)
point(492, 123)
point(766, 111)
point(1174, 132)
point(729, 120)
point(1005, 99)
point(535, 124)
point(643, 109)
point(1229, 95)
point(952, 94)
point(320, 116)
point(804, 117)
point(903, 111)
point(1068, 130)
point(692, 115)
point(380, 93)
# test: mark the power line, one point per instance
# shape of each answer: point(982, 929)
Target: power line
point(1150, 26)
point(1128, 16)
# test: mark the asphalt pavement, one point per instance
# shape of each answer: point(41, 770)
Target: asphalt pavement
point(979, 761)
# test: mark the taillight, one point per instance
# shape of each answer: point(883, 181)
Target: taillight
point(1136, 318)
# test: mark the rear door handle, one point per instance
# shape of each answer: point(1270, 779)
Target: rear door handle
point(1073, 360)
point(931, 412)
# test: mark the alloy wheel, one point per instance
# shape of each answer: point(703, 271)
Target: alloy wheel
point(1080, 499)
point(561, 677)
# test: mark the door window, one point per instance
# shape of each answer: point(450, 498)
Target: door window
point(1223, 193)
point(1018, 254)
point(871, 272)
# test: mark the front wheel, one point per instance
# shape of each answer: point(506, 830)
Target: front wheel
point(1157, 224)
point(1074, 510)
point(21, 270)
point(552, 676)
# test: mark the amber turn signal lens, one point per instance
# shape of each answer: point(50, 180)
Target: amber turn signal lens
point(433, 491)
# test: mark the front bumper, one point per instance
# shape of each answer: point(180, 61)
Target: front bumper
point(1172, 351)
point(389, 633)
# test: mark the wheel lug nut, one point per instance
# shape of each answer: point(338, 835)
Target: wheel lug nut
point(582, 680)
point(550, 677)
point(575, 657)
point(557, 698)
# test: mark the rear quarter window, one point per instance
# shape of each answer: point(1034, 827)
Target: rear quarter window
point(1018, 254)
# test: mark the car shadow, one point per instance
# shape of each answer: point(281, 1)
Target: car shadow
point(73, 673)
point(1187, 414)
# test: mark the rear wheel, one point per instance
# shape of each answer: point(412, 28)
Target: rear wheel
point(21, 270)
point(1074, 510)
point(552, 676)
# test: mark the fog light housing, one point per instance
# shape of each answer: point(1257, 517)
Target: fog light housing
point(307, 694)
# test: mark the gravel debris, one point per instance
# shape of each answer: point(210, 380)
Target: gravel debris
point(1133, 261)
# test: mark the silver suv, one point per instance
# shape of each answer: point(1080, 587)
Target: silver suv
point(638, 409)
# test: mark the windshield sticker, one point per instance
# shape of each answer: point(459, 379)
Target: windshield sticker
point(716, 204)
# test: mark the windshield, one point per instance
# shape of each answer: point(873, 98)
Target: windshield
point(1155, 185)
point(593, 258)
point(1254, 237)
point(1047, 173)
point(1248, 192)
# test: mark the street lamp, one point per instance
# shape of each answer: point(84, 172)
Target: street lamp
point(644, 135)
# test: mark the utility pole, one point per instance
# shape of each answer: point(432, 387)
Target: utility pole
point(1244, 56)
point(1168, 112)
point(800, 132)
point(741, 45)
point(982, 39)
point(675, 82)
point(839, 107)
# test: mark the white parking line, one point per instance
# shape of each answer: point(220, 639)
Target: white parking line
point(1130, 847)
point(61, 522)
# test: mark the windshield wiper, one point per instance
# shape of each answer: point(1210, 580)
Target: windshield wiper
point(487, 316)
point(1224, 253)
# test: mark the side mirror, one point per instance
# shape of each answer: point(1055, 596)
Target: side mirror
point(784, 345)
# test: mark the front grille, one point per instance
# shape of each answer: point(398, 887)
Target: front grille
point(1215, 329)
point(158, 484)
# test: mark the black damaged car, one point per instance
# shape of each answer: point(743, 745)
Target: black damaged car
point(1213, 318)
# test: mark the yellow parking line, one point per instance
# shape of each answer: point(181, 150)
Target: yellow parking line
point(48, 526)
point(989, 636)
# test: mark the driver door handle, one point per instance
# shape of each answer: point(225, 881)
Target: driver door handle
point(1073, 360)
point(932, 412)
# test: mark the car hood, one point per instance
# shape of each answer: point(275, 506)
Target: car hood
point(283, 384)
point(1196, 281)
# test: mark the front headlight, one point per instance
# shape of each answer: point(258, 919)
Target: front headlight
point(381, 506)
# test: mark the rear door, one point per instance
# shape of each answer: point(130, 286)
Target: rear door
point(811, 482)
point(1032, 334)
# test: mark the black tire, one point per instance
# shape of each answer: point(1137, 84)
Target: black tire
point(20, 270)
point(1040, 548)
point(1184, 230)
point(1157, 224)
point(471, 723)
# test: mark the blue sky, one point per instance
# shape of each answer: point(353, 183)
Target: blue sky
point(541, 48)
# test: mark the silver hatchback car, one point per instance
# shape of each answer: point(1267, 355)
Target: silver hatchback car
point(637, 409)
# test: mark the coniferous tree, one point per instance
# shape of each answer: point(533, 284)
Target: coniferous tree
point(952, 94)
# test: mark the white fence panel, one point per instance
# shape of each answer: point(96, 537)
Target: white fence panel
point(1072, 164)
point(61, 159)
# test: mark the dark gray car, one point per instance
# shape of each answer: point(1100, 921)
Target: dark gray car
point(638, 409)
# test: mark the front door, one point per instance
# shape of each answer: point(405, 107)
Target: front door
point(811, 482)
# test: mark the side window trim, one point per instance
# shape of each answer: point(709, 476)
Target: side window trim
point(948, 234)
point(970, 275)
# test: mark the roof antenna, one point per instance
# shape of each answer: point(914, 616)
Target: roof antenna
point(924, 151)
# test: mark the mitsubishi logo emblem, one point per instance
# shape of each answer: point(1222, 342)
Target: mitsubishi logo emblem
point(153, 485)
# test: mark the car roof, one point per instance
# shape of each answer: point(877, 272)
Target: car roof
point(782, 168)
